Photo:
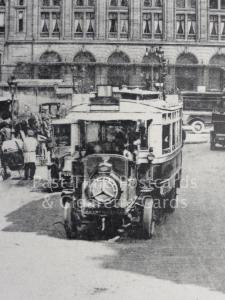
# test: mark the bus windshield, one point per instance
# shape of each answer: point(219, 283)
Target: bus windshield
point(112, 136)
point(118, 163)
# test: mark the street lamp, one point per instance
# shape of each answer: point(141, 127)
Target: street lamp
point(162, 67)
point(12, 88)
point(163, 72)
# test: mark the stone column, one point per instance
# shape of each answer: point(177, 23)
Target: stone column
point(169, 12)
point(135, 19)
point(101, 19)
point(203, 20)
point(67, 19)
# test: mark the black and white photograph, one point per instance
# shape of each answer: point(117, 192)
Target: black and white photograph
point(112, 149)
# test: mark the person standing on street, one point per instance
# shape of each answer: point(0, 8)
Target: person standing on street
point(29, 146)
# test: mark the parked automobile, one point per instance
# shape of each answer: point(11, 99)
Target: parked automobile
point(217, 135)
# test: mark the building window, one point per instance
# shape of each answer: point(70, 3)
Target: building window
point(191, 26)
point(118, 3)
point(186, 23)
point(213, 4)
point(113, 25)
point(79, 25)
point(152, 3)
point(180, 26)
point(217, 20)
point(50, 25)
point(147, 25)
point(222, 27)
point(2, 23)
point(222, 4)
point(21, 2)
point(213, 27)
point(152, 19)
point(118, 19)
point(158, 3)
point(85, 3)
point(51, 2)
point(56, 23)
point(20, 21)
point(46, 3)
point(56, 2)
point(217, 4)
point(84, 19)
point(45, 24)
point(158, 25)
point(147, 3)
point(2, 2)
point(120, 31)
point(185, 3)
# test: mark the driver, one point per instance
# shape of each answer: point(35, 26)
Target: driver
point(97, 149)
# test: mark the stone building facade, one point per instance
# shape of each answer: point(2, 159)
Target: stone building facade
point(113, 41)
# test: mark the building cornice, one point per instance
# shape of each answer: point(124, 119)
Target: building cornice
point(116, 42)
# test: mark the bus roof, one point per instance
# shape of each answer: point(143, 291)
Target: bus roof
point(136, 91)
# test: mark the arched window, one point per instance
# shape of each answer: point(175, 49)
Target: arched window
point(216, 72)
point(51, 69)
point(84, 73)
point(150, 72)
point(118, 74)
point(186, 72)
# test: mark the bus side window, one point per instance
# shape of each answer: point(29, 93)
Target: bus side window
point(165, 138)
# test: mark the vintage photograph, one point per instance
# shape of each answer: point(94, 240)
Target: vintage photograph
point(112, 149)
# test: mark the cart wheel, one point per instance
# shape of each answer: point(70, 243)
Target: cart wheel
point(69, 222)
point(198, 126)
point(148, 221)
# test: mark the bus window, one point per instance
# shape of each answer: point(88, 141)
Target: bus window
point(166, 138)
point(174, 136)
point(177, 134)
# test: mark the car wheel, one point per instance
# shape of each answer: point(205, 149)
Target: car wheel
point(148, 220)
point(198, 126)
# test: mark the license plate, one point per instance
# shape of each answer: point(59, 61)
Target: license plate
point(108, 212)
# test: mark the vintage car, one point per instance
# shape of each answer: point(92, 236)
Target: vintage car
point(217, 135)
point(126, 164)
point(197, 110)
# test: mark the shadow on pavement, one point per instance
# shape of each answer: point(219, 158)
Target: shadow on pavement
point(38, 216)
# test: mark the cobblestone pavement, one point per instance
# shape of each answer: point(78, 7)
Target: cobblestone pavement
point(184, 260)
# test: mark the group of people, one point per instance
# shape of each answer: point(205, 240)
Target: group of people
point(22, 140)
point(18, 152)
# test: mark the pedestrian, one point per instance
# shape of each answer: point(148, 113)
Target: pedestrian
point(6, 131)
point(29, 146)
point(11, 154)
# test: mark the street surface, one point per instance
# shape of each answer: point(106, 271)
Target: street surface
point(184, 260)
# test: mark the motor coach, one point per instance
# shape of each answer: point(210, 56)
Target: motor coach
point(126, 164)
